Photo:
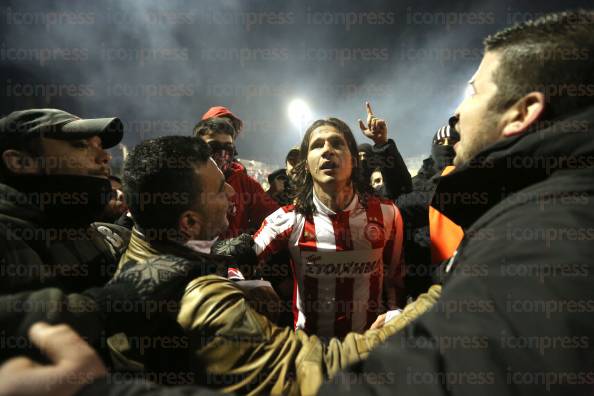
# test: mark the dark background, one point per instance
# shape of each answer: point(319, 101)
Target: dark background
point(158, 65)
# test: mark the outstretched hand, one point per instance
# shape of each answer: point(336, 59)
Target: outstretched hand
point(73, 364)
point(240, 248)
point(374, 128)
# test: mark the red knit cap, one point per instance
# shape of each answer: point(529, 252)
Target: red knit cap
point(220, 111)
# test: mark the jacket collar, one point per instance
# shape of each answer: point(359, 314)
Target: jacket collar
point(235, 168)
point(139, 249)
point(14, 203)
point(54, 200)
point(513, 164)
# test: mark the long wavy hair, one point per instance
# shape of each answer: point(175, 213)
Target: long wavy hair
point(303, 179)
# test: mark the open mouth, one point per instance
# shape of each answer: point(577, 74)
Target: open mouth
point(328, 165)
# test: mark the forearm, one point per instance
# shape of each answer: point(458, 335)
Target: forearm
point(355, 346)
point(86, 313)
point(397, 179)
point(19, 311)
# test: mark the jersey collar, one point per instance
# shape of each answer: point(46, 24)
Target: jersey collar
point(321, 208)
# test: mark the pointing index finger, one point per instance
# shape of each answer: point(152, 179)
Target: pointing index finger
point(369, 111)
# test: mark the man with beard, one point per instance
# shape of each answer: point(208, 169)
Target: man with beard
point(54, 261)
point(250, 205)
point(522, 279)
point(54, 184)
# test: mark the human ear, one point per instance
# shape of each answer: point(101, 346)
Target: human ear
point(190, 225)
point(523, 114)
point(19, 162)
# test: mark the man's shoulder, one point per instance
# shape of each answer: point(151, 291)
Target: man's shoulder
point(202, 264)
point(208, 297)
point(284, 214)
point(545, 223)
point(566, 197)
point(212, 284)
point(243, 182)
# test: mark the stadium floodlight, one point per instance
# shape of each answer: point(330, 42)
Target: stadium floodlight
point(299, 114)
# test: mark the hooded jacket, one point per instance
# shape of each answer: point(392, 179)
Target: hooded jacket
point(515, 314)
point(249, 206)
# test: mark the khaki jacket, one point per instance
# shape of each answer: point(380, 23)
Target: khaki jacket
point(234, 348)
point(244, 352)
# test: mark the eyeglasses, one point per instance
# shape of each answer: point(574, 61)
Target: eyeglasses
point(216, 147)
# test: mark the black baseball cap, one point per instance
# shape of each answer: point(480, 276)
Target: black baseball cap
point(58, 124)
point(293, 153)
point(277, 173)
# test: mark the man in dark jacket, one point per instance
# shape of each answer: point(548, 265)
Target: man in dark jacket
point(442, 155)
point(515, 315)
point(250, 205)
point(53, 186)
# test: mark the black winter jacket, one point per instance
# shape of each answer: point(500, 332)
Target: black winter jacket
point(516, 316)
point(36, 252)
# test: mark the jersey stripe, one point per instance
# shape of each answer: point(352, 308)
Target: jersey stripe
point(339, 261)
point(308, 296)
point(343, 289)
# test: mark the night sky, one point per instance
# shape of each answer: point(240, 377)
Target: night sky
point(158, 65)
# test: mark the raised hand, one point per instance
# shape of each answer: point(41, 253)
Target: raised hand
point(375, 128)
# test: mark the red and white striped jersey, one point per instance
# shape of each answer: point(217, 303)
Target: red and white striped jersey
point(341, 262)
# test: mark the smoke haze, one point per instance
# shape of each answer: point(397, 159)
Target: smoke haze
point(158, 65)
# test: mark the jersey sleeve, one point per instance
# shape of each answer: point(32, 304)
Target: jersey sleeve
point(273, 235)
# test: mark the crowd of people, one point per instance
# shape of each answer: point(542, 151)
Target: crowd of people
point(184, 277)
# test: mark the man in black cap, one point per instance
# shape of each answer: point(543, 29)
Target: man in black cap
point(53, 185)
point(442, 155)
point(280, 187)
point(291, 160)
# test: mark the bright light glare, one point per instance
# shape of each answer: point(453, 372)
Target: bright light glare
point(299, 114)
point(468, 92)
